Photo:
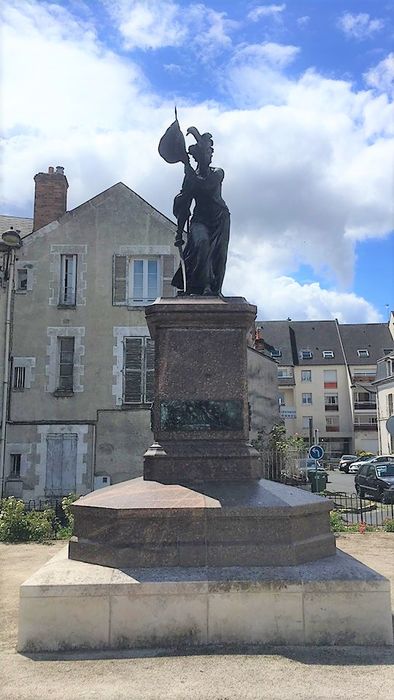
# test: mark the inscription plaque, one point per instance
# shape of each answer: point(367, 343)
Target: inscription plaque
point(201, 415)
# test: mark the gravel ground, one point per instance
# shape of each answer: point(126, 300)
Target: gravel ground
point(247, 673)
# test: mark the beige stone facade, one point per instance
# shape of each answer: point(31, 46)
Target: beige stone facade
point(81, 358)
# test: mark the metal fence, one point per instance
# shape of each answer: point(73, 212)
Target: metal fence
point(354, 510)
point(55, 504)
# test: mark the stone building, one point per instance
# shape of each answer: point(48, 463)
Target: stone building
point(326, 373)
point(81, 361)
point(385, 402)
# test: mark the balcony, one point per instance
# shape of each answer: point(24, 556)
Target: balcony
point(332, 428)
point(331, 407)
point(286, 381)
point(363, 378)
point(365, 426)
point(364, 405)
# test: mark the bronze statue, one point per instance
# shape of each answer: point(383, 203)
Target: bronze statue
point(203, 261)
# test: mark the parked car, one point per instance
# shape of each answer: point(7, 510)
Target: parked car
point(371, 460)
point(346, 461)
point(376, 480)
point(353, 469)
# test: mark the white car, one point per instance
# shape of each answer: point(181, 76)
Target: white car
point(353, 469)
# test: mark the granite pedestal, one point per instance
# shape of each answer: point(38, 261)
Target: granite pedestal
point(202, 550)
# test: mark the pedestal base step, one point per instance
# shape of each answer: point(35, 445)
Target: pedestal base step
point(73, 605)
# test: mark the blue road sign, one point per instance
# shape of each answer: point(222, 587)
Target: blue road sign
point(316, 452)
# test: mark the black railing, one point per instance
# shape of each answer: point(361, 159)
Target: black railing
point(54, 504)
point(355, 510)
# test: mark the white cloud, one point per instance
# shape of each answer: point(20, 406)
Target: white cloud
point(303, 21)
point(307, 160)
point(359, 26)
point(265, 11)
point(154, 24)
point(148, 24)
point(381, 76)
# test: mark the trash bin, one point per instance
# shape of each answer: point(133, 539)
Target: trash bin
point(318, 481)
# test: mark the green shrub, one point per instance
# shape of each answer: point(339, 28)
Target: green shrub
point(17, 525)
point(389, 525)
point(66, 531)
point(336, 522)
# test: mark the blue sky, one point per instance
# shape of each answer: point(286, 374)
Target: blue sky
point(298, 96)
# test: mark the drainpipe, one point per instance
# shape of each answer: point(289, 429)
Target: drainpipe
point(6, 379)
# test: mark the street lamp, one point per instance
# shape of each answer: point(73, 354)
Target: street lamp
point(10, 242)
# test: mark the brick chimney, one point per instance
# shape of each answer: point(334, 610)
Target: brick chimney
point(50, 198)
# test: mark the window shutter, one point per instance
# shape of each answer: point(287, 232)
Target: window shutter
point(168, 273)
point(119, 279)
point(133, 366)
point(149, 370)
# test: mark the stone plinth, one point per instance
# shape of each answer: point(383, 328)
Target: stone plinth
point(200, 415)
point(72, 605)
point(148, 524)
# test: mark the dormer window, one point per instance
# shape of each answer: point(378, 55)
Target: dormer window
point(363, 352)
point(328, 354)
point(276, 352)
point(306, 354)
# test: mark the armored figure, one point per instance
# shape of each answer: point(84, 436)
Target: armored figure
point(203, 260)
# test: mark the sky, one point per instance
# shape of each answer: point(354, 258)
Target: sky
point(298, 96)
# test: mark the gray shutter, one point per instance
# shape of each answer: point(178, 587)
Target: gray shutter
point(149, 370)
point(119, 279)
point(168, 273)
point(133, 370)
point(53, 483)
point(69, 464)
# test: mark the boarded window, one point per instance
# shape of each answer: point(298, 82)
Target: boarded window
point(138, 385)
point(66, 364)
point(61, 464)
point(68, 280)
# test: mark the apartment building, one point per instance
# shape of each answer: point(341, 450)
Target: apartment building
point(81, 362)
point(326, 372)
point(384, 385)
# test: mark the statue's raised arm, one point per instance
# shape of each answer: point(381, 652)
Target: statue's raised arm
point(208, 227)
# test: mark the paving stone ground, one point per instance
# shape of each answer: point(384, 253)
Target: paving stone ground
point(250, 673)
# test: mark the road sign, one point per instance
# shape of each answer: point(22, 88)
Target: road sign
point(390, 425)
point(316, 452)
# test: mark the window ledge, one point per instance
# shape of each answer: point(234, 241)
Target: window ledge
point(61, 393)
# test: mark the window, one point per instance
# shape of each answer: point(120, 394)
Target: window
point(306, 375)
point(331, 402)
point(66, 365)
point(68, 280)
point(330, 378)
point(390, 405)
point(281, 400)
point(306, 354)
point(15, 465)
point(21, 280)
point(306, 421)
point(136, 281)
point(276, 352)
point(19, 378)
point(363, 353)
point(327, 354)
point(332, 424)
point(138, 376)
point(306, 398)
point(285, 372)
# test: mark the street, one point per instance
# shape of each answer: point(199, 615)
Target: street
point(341, 482)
